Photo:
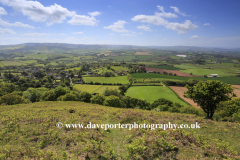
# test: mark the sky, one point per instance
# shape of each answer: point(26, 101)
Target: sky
point(202, 23)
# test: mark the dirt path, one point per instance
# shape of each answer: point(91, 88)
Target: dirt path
point(180, 91)
point(236, 90)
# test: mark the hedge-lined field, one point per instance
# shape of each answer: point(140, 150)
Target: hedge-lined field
point(152, 93)
point(229, 80)
point(119, 79)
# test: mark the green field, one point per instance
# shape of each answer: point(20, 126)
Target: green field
point(119, 79)
point(104, 87)
point(165, 67)
point(185, 66)
point(11, 63)
point(152, 93)
point(202, 72)
point(29, 61)
point(93, 88)
point(102, 70)
point(86, 88)
point(229, 80)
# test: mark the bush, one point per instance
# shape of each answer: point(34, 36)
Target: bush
point(20, 93)
point(69, 97)
point(109, 92)
point(11, 99)
point(49, 96)
point(85, 97)
point(161, 101)
point(191, 110)
point(59, 91)
point(174, 108)
point(112, 101)
point(33, 94)
point(228, 108)
point(98, 99)
point(129, 102)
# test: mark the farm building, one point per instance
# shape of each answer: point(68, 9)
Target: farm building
point(213, 75)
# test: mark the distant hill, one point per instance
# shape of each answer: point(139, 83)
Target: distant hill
point(71, 48)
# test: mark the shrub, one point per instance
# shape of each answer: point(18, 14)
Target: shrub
point(112, 101)
point(20, 93)
point(12, 99)
point(69, 97)
point(33, 94)
point(49, 96)
point(59, 91)
point(129, 102)
point(161, 101)
point(109, 92)
point(191, 110)
point(228, 108)
point(174, 108)
point(98, 99)
point(85, 97)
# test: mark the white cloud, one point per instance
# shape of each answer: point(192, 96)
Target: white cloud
point(83, 20)
point(182, 28)
point(39, 13)
point(206, 24)
point(117, 26)
point(164, 14)
point(37, 34)
point(177, 10)
point(16, 24)
point(194, 37)
point(158, 19)
point(145, 28)
point(77, 33)
point(93, 14)
point(7, 31)
point(2, 11)
point(150, 19)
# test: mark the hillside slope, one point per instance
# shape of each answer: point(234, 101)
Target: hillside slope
point(29, 131)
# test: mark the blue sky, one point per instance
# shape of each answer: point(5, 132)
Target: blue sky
point(204, 23)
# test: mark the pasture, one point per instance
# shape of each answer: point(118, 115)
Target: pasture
point(165, 67)
point(229, 80)
point(202, 72)
point(86, 88)
point(11, 63)
point(104, 87)
point(152, 93)
point(143, 53)
point(119, 79)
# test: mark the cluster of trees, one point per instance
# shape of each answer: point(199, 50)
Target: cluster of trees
point(190, 82)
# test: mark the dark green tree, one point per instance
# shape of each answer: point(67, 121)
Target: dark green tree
point(208, 94)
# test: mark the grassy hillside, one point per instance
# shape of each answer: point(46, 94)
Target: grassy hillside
point(29, 131)
point(152, 93)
